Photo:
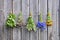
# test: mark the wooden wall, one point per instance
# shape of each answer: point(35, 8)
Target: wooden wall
point(21, 33)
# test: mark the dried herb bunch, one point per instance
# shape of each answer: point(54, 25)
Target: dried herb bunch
point(41, 24)
point(20, 19)
point(30, 23)
point(49, 21)
point(10, 22)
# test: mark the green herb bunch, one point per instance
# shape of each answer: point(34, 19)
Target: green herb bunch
point(10, 22)
point(30, 24)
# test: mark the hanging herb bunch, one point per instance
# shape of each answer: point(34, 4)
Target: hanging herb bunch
point(41, 24)
point(49, 20)
point(20, 19)
point(30, 23)
point(10, 22)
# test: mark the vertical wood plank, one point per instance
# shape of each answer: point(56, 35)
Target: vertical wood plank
point(50, 27)
point(34, 10)
point(58, 17)
point(38, 18)
point(57, 6)
point(55, 18)
point(1, 18)
point(5, 15)
point(16, 10)
point(43, 10)
point(25, 11)
point(7, 10)
point(1, 24)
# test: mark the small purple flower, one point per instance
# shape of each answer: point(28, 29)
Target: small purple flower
point(39, 24)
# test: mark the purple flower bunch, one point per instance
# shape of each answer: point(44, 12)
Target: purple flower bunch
point(41, 25)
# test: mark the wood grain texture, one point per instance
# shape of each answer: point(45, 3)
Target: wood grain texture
point(7, 9)
point(16, 9)
point(59, 19)
point(50, 37)
point(34, 10)
point(57, 7)
point(1, 24)
point(25, 12)
point(1, 18)
point(38, 19)
point(55, 24)
point(21, 33)
point(43, 10)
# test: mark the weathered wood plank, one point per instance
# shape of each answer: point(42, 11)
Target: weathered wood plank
point(25, 12)
point(1, 24)
point(17, 34)
point(43, 10)
point(34, 10)
point(1, 4)
point(7, 10)
point(16, 10)
point(57, 6)
point(38, 19)
point(50, 27)
point(59, 19)
point(1, 19)
point(55, 19)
